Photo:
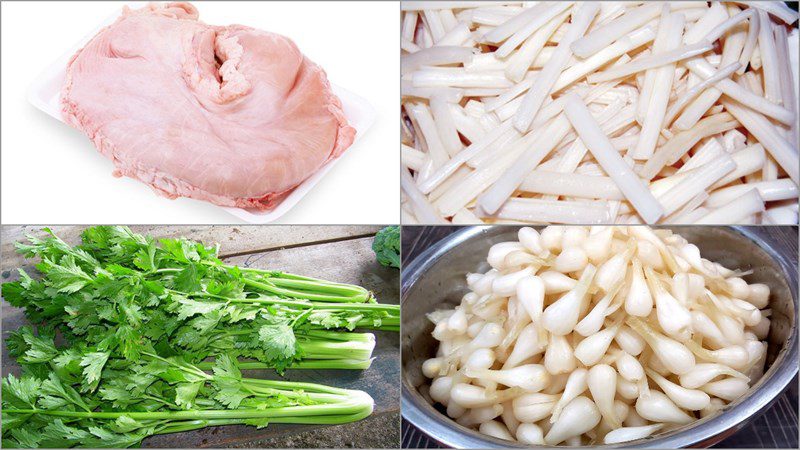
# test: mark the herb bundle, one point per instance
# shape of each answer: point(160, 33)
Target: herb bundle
point(120, 289)
point(144, 322)
point(73, 397)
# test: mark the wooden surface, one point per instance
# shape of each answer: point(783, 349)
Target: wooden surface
point(335, 253)
point(777, 427)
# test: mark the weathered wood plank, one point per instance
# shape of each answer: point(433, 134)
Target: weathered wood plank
point(348, 261)
point(233, 240)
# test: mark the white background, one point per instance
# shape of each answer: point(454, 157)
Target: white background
point(52, 174)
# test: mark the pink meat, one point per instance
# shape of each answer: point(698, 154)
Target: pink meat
point(231, 115)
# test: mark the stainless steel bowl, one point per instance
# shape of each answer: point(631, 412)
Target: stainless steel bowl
point(436, 278)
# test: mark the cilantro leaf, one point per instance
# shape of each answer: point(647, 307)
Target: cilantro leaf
point(93, 366)
point(188, 279)
point(20, 393)
point(180, 250)
point(124, 424)
point(189, 307)
point(206, 322)
point(129, 341)
point(145, 258)
point(11, 421)
point(55, 388)
point(57, 434)
point(40, 348)
point(108, 439)
point(278, 341)
point(185, 394)
point(226, 367)
point(118, 395)
point(237, 313)
point(25, 438)
point(66, 276)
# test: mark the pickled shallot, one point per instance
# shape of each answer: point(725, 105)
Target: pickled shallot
point(647, 337)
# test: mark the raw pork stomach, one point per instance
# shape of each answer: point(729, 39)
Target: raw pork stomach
point(231, 115)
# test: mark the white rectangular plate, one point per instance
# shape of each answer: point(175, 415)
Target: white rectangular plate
point(45, 91)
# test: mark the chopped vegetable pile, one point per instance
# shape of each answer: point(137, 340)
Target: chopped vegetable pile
point(596, 335)
point(387, 246)
point(143, 320)
point(599, 112)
